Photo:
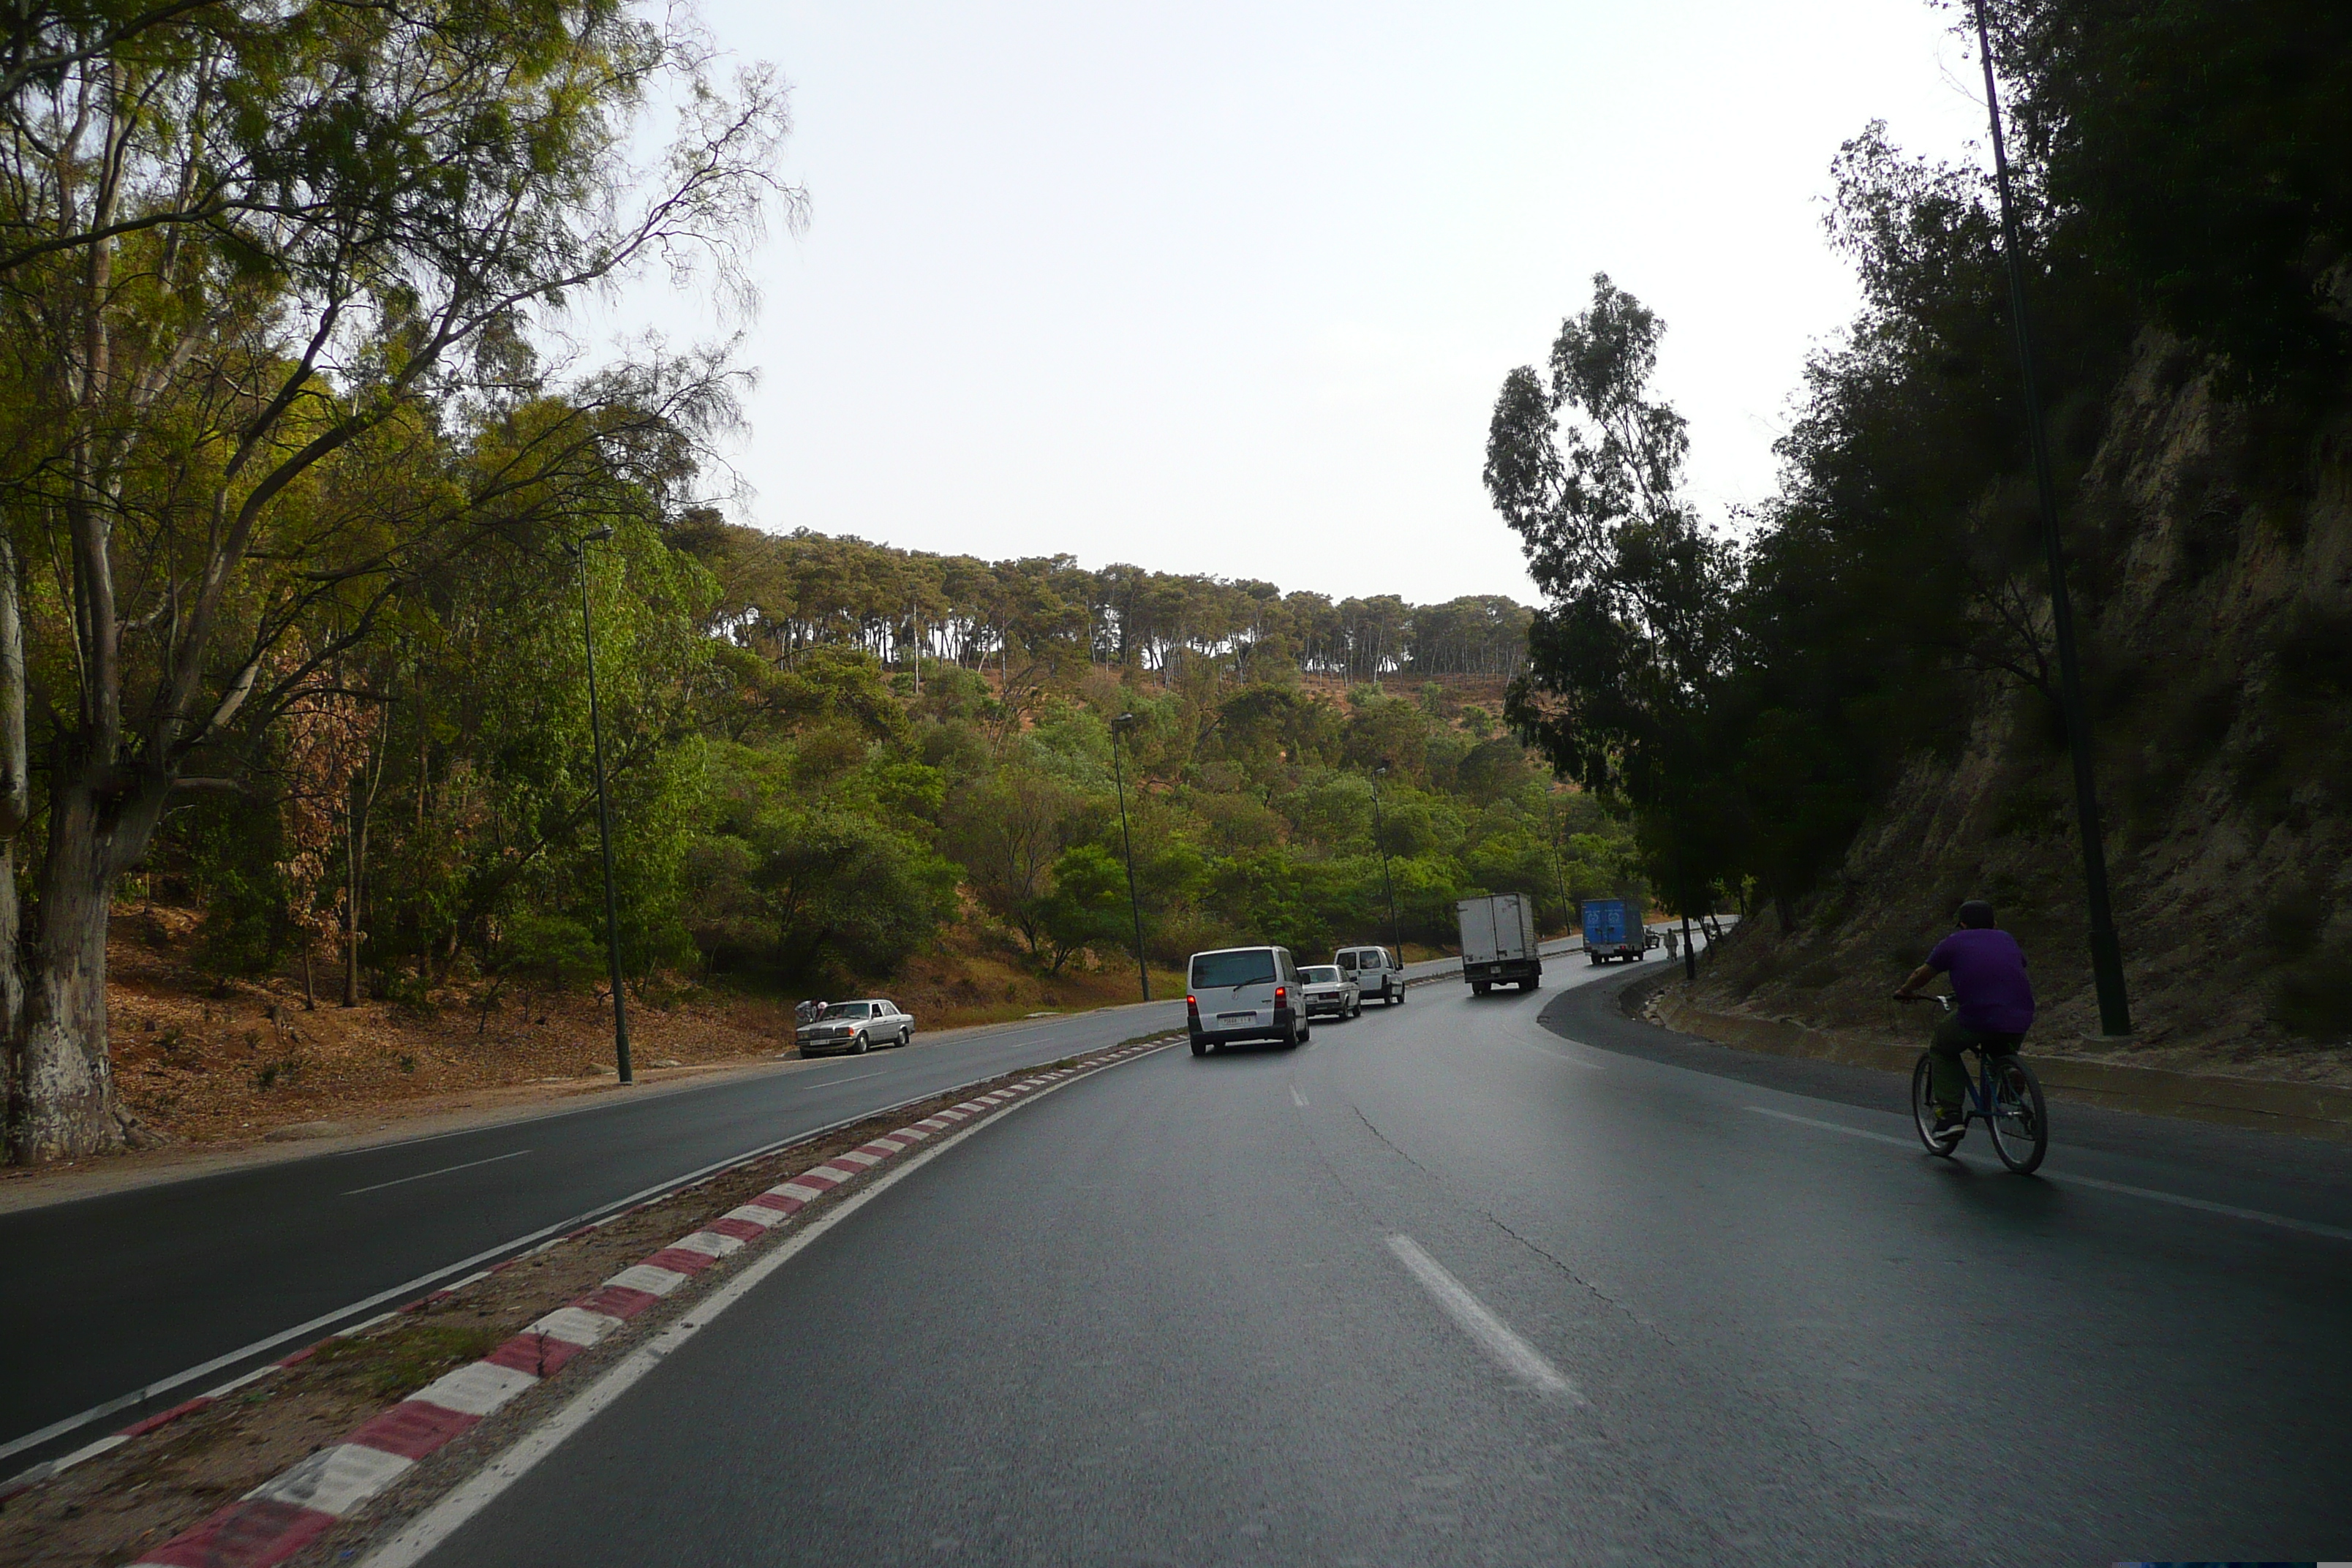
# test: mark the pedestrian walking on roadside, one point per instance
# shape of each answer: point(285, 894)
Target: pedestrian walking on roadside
point(1674, 944)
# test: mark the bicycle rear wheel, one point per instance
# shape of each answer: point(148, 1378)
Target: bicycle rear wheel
point(1923, 1110)
point(2019, 1121)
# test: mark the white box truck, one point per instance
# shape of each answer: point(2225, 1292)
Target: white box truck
point(1498, 941)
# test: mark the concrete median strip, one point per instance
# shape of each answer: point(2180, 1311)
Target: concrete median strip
point(276, 1519)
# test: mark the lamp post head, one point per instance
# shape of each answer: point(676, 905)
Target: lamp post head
point(1122, 722)
point(596, 535)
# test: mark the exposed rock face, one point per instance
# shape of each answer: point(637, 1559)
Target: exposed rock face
point(2213, 577)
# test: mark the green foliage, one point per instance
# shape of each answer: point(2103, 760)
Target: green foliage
point(1636, 633)
point(2138, 114)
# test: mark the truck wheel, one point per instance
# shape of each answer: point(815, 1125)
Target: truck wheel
point(1477, 988)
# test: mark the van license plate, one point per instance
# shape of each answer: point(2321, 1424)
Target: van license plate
point(1235, 1018)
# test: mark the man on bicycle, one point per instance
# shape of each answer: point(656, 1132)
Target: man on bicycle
point(1995, 1001)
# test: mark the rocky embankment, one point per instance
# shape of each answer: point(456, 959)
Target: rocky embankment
point(2213, 545)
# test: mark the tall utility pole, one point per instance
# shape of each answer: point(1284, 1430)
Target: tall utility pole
point(1134, 907)
point(2106, 952)
point(1381, 837)
point(604, 816)
point(1558, 833)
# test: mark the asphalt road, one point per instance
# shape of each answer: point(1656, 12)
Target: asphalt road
point(1454, 1285)
point(126, 1291)
point(141, 1298)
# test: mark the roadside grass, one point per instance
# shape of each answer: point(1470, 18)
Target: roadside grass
point(395, 1363)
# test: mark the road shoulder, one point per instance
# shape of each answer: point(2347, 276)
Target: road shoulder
point(469, 1113)
point(1596, 1016)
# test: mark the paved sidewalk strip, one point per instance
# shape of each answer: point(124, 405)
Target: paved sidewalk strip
point(279, 1518)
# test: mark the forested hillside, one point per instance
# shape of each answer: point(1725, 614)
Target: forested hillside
point(1852, 714)
point(825, 752)
point(304, 489)
point(835, 766)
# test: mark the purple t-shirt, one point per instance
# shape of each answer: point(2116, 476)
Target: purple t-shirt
point(1987, 971)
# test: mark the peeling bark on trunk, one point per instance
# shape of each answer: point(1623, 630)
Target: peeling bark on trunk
point(67, 1107)
point(16, 811)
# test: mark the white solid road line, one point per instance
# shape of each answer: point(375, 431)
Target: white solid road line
point(403, 1181)
point(1297, 1099)
point(1494, 1336)
point(2204, 1205)
point(406, 1290)
point(415, 1539)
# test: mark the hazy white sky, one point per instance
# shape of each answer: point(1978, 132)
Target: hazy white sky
point(1229, 287)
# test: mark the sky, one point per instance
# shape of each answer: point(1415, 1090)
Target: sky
point(1230, 288)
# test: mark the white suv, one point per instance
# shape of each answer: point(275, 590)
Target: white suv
point(1375, 972)
point(1244, 993)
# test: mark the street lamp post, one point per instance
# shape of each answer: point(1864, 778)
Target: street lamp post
point(2107, 950)
point(1127, 845)
point(1381, 837)
point(604, 815)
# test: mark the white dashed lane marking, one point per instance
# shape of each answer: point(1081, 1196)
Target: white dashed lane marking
point(403, 1181)
point(1473, 1318)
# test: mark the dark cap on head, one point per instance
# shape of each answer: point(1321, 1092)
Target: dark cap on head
point(1976, 914)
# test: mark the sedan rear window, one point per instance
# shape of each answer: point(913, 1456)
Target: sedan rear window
point(1315, 971)
point(1249, 966)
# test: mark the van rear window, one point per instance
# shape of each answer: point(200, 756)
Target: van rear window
point(1214, 970)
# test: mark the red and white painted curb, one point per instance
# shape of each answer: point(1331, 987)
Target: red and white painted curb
point(278, 1519)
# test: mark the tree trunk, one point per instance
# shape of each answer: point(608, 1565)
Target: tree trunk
point(16, 811)
point(350, 912)
point(65, 1106)
point(355, 830)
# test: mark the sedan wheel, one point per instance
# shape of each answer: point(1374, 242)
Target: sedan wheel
point(905, 1036)
point(863, 1045)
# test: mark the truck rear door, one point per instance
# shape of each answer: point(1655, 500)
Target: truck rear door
point(1478, 932)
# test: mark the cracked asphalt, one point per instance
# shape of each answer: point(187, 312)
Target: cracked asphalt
point(1460, 1284)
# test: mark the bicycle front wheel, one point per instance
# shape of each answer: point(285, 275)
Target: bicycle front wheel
point(1923, 1110)
point(2019, 1121)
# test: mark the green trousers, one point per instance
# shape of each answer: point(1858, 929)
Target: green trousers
point(1944, 1052)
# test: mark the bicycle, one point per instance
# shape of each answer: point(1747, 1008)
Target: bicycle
point(2003, 1092)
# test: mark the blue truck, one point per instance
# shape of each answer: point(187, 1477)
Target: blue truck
point(1615, 932)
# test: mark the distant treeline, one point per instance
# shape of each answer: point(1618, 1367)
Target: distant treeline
point(794, 591)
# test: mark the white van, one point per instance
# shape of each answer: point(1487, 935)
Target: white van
point(1375, 972)
point(1244, 993)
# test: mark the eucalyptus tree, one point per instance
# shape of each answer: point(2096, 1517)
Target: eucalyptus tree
point(245, 244)
point(1587, 466)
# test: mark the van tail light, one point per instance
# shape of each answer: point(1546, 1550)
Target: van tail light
point(1281, 995)
point(1192, 1006)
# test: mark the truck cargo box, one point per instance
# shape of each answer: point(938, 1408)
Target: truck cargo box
point(1499, 941)
point(1614, 930)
